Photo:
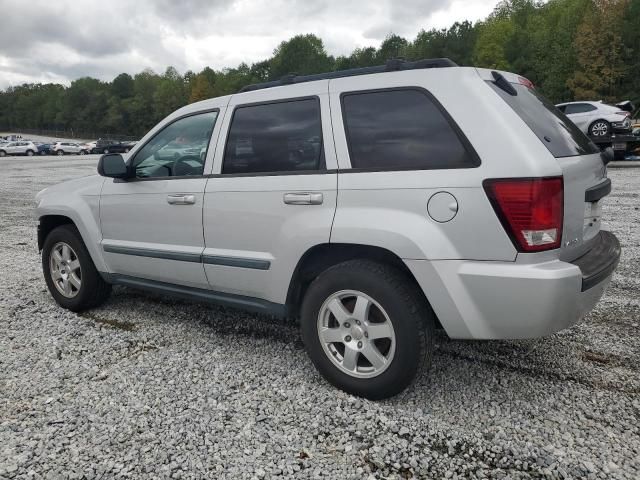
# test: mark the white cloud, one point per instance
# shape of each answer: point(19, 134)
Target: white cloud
point(58, 41)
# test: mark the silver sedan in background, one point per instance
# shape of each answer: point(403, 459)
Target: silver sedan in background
point(596, 118)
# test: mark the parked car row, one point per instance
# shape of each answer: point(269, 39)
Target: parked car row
point(16, 145)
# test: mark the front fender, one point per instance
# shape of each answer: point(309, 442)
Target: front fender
point(78, 200)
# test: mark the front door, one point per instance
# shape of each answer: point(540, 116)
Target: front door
point(152, 224)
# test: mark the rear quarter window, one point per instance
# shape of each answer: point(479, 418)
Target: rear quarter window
point(402, 129)
point(554, 129)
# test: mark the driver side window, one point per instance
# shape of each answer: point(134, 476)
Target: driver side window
point(178, 150)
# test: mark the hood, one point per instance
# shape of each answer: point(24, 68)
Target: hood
point(627, 106)
point(90, 185)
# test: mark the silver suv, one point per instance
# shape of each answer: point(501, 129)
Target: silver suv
point(373, 204)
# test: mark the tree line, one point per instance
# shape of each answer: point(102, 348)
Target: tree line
point(570, 49)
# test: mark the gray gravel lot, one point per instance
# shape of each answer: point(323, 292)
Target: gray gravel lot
point(148, 387)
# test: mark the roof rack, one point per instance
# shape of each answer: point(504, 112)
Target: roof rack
point(392, 65)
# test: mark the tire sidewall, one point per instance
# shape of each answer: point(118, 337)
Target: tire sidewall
point(70, 235)
point(407, 358)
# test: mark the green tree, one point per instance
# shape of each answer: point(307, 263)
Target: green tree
point(600, 51)
point(303, 54)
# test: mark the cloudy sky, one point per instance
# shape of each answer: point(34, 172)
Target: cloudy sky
point(60, 40)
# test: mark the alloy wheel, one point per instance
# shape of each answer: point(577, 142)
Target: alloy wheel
point(356, 334)
point(65, 271)
point(599, 129)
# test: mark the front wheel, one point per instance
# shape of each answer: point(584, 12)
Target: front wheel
point(600, 128)
point(71, 276)
point(367, 328)
point(2, 153)
point(60, 153)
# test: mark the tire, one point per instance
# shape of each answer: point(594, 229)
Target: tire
point(3, 153)
point(60, 152)
point(30, 153)
point(92, 291)
point(83, 152)
point(394, 299)
point(600, 128)
point(106, 150)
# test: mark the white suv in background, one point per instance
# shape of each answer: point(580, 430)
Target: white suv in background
point(61, 148)
point(596, 118)
point(368, 203)
point(20, 147)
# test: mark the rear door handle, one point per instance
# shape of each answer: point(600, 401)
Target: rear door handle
point(181, 199)
point(303, 198)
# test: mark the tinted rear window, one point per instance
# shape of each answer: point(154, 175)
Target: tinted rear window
point(284, 136)
point(559, 134)
point(401, 129)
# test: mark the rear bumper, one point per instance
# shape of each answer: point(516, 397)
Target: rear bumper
point(508, 300)
point(599, 262)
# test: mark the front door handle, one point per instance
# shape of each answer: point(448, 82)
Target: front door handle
point(181, 199)
point(303, 198)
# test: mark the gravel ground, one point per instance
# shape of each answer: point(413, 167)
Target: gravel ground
point(147, 387)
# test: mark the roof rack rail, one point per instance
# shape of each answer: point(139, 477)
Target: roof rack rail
point(392, 65)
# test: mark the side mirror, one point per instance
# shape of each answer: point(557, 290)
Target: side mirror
point(607, 155)
point(112, 165)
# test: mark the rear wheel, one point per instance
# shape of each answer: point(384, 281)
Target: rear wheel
point(2, 153)
point(30, 153)
point(71, 276)
point(600, 128)
point(367, 328)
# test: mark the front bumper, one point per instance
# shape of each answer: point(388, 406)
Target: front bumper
point(508, 300)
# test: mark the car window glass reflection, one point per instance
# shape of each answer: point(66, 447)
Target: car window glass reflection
point(178, 150)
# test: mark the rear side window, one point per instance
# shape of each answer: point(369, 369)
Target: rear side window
point(579, 108)
point(402, 129)
point(559, 134)
point(275, 137)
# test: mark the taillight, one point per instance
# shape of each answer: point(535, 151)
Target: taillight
point(530, 210)
point(624, 114)
point(526, 82)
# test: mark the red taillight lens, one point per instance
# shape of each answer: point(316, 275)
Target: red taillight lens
point(530, 210)
point(526, 82)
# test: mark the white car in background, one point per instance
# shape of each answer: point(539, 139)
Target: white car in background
point(85, 148)
point(22, 147)
point(60, 148)
point(596, 118)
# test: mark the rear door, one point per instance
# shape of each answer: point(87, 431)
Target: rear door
point(583, 171)
point(273, 194)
